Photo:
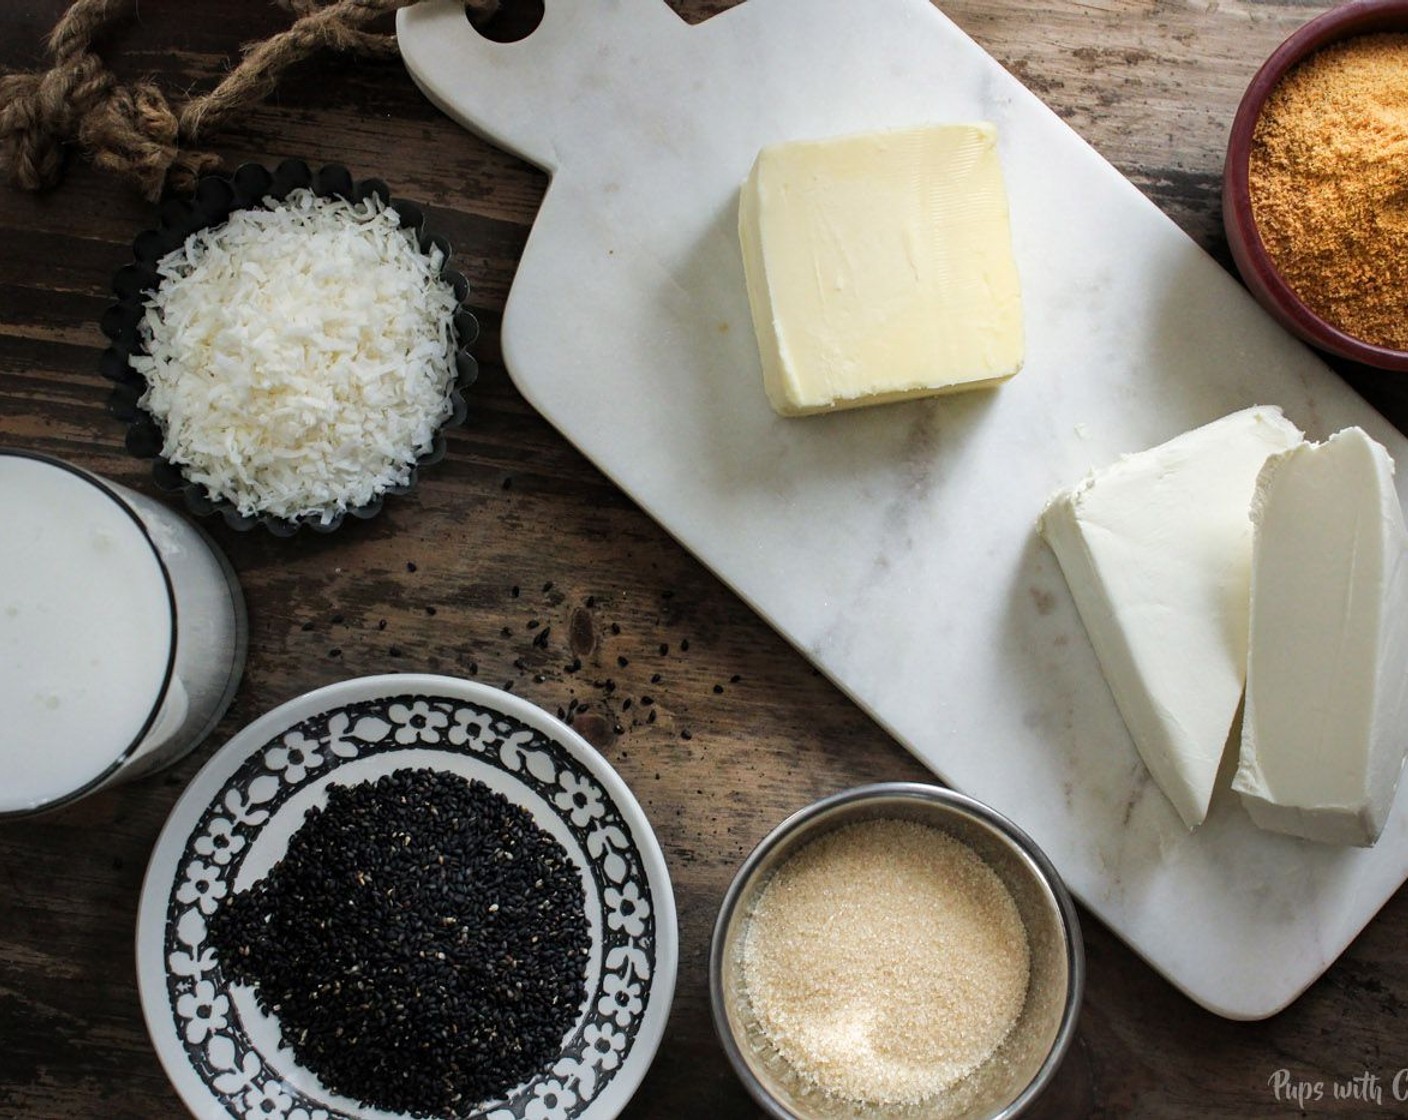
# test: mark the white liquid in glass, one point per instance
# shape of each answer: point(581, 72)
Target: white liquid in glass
point(86, 632)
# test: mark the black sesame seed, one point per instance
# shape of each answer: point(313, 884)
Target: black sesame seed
point(410, 565)
point(451, 961)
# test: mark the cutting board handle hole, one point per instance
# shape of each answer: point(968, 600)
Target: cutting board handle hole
point(510, 22)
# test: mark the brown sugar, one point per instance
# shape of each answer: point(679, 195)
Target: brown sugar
point(885, 962)
point(1329, 185)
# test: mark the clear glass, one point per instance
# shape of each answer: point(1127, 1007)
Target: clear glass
point(201, 626)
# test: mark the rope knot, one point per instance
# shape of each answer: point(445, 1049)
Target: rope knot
point(39, 114)
point(133, 132)
point(132, 129)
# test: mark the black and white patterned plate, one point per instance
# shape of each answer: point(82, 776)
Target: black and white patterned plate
point(234, 822)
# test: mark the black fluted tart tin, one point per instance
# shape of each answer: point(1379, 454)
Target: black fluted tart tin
point(217, 197)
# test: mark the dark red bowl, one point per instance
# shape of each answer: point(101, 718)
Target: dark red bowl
point(1358, 17)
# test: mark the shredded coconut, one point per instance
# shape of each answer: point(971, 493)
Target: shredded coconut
point(299, 357)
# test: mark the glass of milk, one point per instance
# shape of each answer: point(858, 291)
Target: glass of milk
point(122, 634)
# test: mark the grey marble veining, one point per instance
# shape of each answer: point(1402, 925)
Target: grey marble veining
point(895, 546)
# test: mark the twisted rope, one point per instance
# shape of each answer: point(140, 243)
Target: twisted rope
point(133, 130)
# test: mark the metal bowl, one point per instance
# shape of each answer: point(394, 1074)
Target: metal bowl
point(1026, 1061)
point(1259, 271)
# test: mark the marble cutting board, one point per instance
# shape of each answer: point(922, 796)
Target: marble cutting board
point(895, 546)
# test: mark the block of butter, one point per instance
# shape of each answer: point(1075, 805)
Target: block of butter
point(1326, 720)
point(880, 267)
point(1157, 551)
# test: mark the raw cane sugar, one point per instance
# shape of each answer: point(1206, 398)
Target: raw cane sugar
point(885, 962)
point(1327, 175)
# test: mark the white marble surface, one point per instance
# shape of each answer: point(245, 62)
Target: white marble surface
point(895, 546)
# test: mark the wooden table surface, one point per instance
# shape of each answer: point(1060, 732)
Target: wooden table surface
point(515, 527)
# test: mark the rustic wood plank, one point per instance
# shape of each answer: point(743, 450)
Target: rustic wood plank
point(1152, 84)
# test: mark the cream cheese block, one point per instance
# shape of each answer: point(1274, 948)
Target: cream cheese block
point(1326, 720)
point(880, 267)
point(1157, 549)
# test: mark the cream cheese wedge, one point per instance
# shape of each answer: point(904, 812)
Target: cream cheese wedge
point(1326, 720)
point(880, 267)
point(1156, 549)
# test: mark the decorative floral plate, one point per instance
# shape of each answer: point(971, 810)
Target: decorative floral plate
point(234, 822)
